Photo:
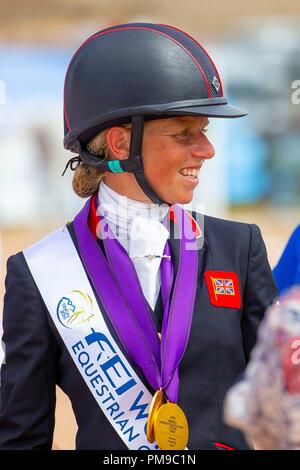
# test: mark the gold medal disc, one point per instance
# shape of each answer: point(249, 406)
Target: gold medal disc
point(171, 429)
point(156, 403)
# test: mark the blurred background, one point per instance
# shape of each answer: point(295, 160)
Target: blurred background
point(255, 176)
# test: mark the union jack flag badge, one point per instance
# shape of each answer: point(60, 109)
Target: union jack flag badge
point(223, 288)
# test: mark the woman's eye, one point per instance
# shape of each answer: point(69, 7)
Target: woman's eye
point(189, 137)
point(180, 136)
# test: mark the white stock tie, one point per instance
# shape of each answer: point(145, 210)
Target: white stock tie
point(147, 241)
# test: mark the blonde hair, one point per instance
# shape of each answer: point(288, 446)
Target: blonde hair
point(86, 179)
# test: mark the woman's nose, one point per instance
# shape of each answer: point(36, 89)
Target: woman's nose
point(203, 148)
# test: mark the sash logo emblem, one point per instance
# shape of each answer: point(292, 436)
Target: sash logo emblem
point(75, 309)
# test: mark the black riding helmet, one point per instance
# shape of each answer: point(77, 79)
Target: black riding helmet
point(131, 73)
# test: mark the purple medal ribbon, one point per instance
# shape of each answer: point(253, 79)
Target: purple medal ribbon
point(126, 279)
point(178, 320)
point(117, 285)
point(118, 311)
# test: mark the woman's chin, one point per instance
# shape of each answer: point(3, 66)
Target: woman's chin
point(177, 196)
point(186, 197)
point(182, 198)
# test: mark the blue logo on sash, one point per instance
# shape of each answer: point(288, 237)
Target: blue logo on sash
point(75, 309)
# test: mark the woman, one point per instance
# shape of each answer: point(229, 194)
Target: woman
point(142, 315)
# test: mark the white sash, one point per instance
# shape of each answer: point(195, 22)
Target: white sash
point(68, 295)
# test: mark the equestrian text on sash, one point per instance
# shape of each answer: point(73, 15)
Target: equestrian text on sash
point(109, 378)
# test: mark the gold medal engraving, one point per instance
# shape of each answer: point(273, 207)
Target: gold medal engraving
point(171, 430)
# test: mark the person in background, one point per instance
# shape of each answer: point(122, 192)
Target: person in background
point(143, 313)
point(287, 271)
point(265, 403)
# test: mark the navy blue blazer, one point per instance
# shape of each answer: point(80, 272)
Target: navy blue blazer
point(218, 349)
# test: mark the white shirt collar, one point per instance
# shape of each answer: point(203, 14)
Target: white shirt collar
point(120, 212)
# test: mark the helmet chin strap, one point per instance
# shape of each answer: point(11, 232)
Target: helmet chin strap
point(134, 164)
point(135, 156)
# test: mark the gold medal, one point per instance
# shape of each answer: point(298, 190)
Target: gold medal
point(156, 403)
point(171, 429)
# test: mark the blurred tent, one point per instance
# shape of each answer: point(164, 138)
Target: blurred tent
point(264, 59)
point(31, 189)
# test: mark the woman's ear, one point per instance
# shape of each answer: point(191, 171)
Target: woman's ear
point(118, 142)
